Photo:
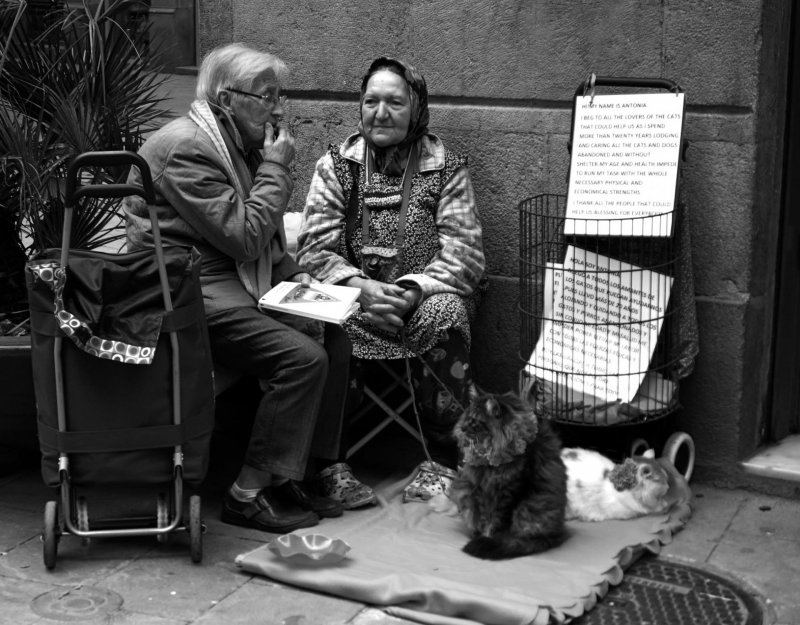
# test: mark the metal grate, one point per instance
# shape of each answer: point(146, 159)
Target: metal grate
point(659, 592)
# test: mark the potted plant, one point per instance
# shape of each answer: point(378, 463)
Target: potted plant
point(74, 78)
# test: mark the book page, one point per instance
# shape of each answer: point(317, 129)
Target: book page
point(624, 164)
point(326, 302)
point(605, 322)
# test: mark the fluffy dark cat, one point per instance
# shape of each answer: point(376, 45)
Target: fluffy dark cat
point(511, 487)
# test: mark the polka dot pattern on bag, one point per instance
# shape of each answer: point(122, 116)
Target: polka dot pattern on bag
point(79, 332)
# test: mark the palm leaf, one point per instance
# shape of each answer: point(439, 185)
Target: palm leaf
point(82, 83)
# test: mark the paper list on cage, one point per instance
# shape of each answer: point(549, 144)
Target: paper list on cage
point(552, 285)
point(624, 164)
point(605, 321)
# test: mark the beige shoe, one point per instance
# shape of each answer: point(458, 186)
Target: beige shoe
point(432, 479)
point(339, 483)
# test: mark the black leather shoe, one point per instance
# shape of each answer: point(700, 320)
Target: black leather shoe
point(267, 513)
point(300, 495)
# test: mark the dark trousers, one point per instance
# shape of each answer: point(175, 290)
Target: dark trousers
point(291, 369)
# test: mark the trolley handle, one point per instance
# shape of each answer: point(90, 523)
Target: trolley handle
point(116, 158)
point(593, 81)
point(75, 191)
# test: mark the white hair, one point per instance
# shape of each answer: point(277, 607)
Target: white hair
point(236, 66)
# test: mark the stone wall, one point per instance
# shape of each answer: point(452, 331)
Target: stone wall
point(502, 74)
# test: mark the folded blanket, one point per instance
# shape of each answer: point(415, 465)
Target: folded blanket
point(408, 558)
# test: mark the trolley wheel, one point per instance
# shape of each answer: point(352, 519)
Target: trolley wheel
point(50, 534)
point(82, 518)
point(162, 516)
point(679, 450)
point(639, 446)
point(195, 529)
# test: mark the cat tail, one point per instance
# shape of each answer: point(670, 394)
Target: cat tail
point(504, 545)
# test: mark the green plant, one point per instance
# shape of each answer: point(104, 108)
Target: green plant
point(72, 80)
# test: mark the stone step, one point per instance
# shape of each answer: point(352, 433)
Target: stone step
point(779, 461)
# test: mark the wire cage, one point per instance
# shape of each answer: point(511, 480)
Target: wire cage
point(602, 314)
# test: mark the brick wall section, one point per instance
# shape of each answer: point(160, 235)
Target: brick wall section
point(502, 74)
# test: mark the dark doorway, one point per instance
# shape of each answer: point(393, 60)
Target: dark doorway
point(785, 413)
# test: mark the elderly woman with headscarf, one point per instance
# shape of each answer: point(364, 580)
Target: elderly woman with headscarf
point(392, 212)
point(222, 183)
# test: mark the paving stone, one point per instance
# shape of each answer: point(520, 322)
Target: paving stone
point(770, 565)
point(689, 548)
point(276, 604)
point(372, 616)
point(712, 513)
point(16, 596)
point(713, 509)
point(76, 563)
point(175, 587)
point(123, 617)
point(18, 527)
point(760, 515)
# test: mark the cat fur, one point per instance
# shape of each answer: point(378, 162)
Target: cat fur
point(598, 489)
point(511, 486)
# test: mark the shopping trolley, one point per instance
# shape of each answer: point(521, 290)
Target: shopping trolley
point(122, 375)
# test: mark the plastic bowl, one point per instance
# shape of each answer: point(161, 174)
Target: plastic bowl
point(309, 548)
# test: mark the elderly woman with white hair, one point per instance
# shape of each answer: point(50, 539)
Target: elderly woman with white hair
point(222, 182)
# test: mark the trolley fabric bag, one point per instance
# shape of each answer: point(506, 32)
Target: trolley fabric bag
point(117, 365)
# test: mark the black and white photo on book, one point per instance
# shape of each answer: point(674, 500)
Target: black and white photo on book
point(333, 303)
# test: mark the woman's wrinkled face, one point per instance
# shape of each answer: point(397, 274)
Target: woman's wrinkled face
point(386, 109)
point(251, 113)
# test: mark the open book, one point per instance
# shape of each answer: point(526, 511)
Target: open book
point(327, 302)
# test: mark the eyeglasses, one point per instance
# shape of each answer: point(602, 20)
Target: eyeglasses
point(268, 98)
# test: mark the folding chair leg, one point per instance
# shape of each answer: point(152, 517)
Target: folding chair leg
point(392, 414)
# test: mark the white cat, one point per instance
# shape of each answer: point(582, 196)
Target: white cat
point(599, 489)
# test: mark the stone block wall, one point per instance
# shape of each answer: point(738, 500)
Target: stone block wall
point(502, 74)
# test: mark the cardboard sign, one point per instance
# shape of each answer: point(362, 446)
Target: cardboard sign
point(601, 326)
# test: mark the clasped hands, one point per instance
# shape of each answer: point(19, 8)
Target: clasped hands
point(384, 305)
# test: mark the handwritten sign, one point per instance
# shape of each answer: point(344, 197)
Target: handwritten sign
point(602, 327)
point(552, 285)
point(624, 164)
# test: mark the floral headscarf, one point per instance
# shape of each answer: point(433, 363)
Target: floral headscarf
point(388, 159)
